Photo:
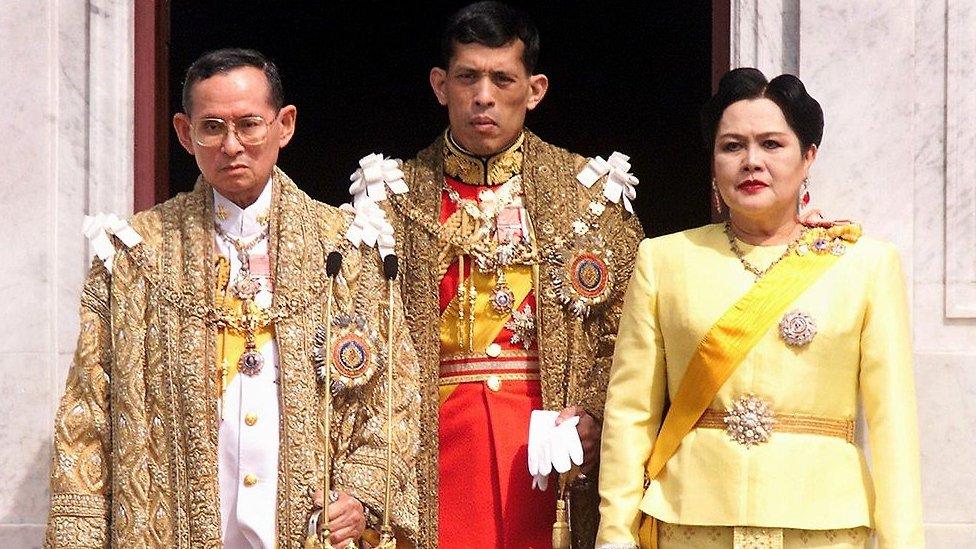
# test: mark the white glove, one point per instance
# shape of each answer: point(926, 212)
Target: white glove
point(566, 445)
point(542, 424)
point(552, 446)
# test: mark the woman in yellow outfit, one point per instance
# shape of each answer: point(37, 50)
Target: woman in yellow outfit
point(762, 334)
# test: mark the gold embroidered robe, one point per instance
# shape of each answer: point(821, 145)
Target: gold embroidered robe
point(135, 461)
point(575, 352)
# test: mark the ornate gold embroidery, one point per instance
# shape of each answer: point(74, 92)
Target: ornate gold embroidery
point(142, 443)
point(475, 170)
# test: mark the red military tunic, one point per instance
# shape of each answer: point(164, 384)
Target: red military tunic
point(489, 385)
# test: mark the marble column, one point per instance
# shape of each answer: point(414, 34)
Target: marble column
point(67, 150)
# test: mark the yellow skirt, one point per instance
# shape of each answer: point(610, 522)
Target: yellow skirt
point(678, 536)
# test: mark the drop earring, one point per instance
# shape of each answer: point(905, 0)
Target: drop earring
point(716, 198)
point(804, 199)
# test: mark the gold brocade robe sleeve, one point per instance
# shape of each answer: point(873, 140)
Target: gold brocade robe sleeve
point(359, 424)
point(135, 444)
point(80, 483)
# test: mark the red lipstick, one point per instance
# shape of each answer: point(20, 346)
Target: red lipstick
point(751, 186)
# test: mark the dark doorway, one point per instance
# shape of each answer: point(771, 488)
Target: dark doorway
point(623, 76)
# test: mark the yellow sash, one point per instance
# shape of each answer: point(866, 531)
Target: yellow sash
point(721, 351)
point(230, 344)
point(488, 323)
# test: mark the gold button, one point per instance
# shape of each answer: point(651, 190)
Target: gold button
point(494, 383)
point(251, 418)
point(493, 350)
point(250, 480)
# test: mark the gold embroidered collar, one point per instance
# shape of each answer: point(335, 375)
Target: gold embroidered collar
point(477, 170)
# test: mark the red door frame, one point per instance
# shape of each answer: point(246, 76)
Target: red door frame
point(151, 117)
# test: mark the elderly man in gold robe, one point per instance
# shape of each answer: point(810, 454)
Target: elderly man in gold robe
point(193, 412)
point(516, 254)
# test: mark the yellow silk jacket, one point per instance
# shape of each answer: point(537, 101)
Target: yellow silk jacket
point(682, 284)
point(135, 461)
point(575, 352)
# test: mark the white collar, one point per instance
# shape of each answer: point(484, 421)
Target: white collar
point(242, 223)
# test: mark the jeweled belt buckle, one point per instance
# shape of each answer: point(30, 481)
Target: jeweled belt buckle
point(749, 421)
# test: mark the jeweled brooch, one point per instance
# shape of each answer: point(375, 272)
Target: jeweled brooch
point(522, 326)
point(750, 421)
point(833, 238)
point(581, 274)
point(354, 352)
point(797, 328)
point(502, 299)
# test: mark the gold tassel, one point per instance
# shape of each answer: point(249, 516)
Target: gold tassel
point(561, 538)
point(560, 529)
point(387, 541)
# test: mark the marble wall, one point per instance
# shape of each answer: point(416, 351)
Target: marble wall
point(66, 92)
point(897, 80)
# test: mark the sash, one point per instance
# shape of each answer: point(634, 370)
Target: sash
point(489, 323)
point(230, 345)
point(722, 350)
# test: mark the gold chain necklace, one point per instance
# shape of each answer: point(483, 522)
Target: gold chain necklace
point(252, 318)
point(488, 256)
point(244, 287)
point(745, 262)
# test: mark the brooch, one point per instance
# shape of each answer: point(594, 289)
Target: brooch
point(750, 421)
point(522, 326)
point(797, 328)
point(581, 275)
point(354, 352)
point(833, 239)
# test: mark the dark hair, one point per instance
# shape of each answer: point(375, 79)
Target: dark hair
point(802, 112)
point(491, 24)
point(225, 60)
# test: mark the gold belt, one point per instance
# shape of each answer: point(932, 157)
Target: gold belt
point(788, 423)
point(489, 377)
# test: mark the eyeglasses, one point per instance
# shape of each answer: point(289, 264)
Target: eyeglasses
point(249, 130)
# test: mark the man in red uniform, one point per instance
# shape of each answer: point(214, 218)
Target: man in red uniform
point(514, 272)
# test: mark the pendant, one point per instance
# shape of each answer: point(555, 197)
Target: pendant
point(502, 299)
point(251, 363)
point(246, 287)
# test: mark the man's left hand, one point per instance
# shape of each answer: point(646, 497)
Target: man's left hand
point(589, 432)
point(346, 518)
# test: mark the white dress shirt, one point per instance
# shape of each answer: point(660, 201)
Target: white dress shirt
point(248, 439)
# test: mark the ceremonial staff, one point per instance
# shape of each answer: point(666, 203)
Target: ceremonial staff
point(333, 264)
point(390, 269)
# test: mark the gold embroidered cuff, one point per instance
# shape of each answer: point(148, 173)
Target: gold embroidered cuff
point(77, 521)
point(79, 505)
